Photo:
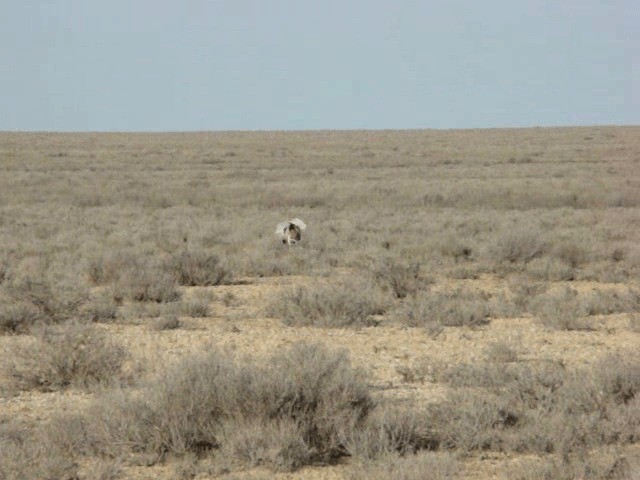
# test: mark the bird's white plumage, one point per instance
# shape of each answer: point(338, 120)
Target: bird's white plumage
point(289, 232)
point(299, 223)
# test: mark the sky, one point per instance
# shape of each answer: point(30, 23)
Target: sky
point(159, 65)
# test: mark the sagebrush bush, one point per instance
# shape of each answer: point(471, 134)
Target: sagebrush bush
point(400, 279)
point(147, 283)
point(450, 309)
point(63, 355)
point(518, 245)
point(341, 304)
point(26, 454)
point(562, 310)
point(166, 322)
point(307, 396)
point(198, 268)
point(101, 308)
point(418, 312)
point(543, 409)
point(390, 429)
point(198, 305)
point(28, 302)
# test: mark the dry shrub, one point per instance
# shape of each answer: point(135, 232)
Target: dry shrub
point(147, 283)
point(198, 268)
point(279, 444)
point(346, 303)
point(391, 428)
point(101, 308)
point(562, 310)
point(449, 309)
point(166, 322)
point(198, 305)
point(106, 267)
point(25, 454)
point(6, 266)
point(607, 465)
point(28, 302)
point(518, 245)
point(501, 352)
point(400, 279)
point(455, 248)
point(546, 409)
point(305, 396)
point(418, 312)
point(573, 254)
point(550, 269)
point(69, 354)
point(523, 291)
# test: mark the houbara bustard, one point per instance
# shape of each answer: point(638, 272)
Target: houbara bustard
point(290, 232)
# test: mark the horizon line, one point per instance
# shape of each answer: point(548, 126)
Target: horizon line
point(321, 130)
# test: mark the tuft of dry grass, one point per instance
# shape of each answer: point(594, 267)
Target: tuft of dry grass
point(432, 465)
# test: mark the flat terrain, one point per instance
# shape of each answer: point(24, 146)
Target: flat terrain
point(437, 259)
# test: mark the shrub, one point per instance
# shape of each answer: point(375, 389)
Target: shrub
point(29, 302)
point(418, 312)
point(546, 409)
point(519, 245)
point(64, 355)
point(197, 306)
point(571, 253)
point(401, 280)
point(450, 309)
point(24, 454)
point(391, 428)
point(304, 398)
point(198, 269)
point(101, 308)
point(147, 284)
point(340, 304)
point(562, 310)
point(167, 322)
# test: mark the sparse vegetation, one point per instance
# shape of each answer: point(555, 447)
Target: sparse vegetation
point(70, 354)
point(347, 303)
point(108, 242)
point(435, 310)
point(198, 268)
point(285, 413)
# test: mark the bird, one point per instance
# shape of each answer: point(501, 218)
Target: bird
point(290, 231)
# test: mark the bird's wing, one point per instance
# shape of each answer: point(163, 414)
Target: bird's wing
point(281, 227)
point(299, 223)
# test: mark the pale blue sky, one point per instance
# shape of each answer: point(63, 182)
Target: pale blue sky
point(130, 65)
